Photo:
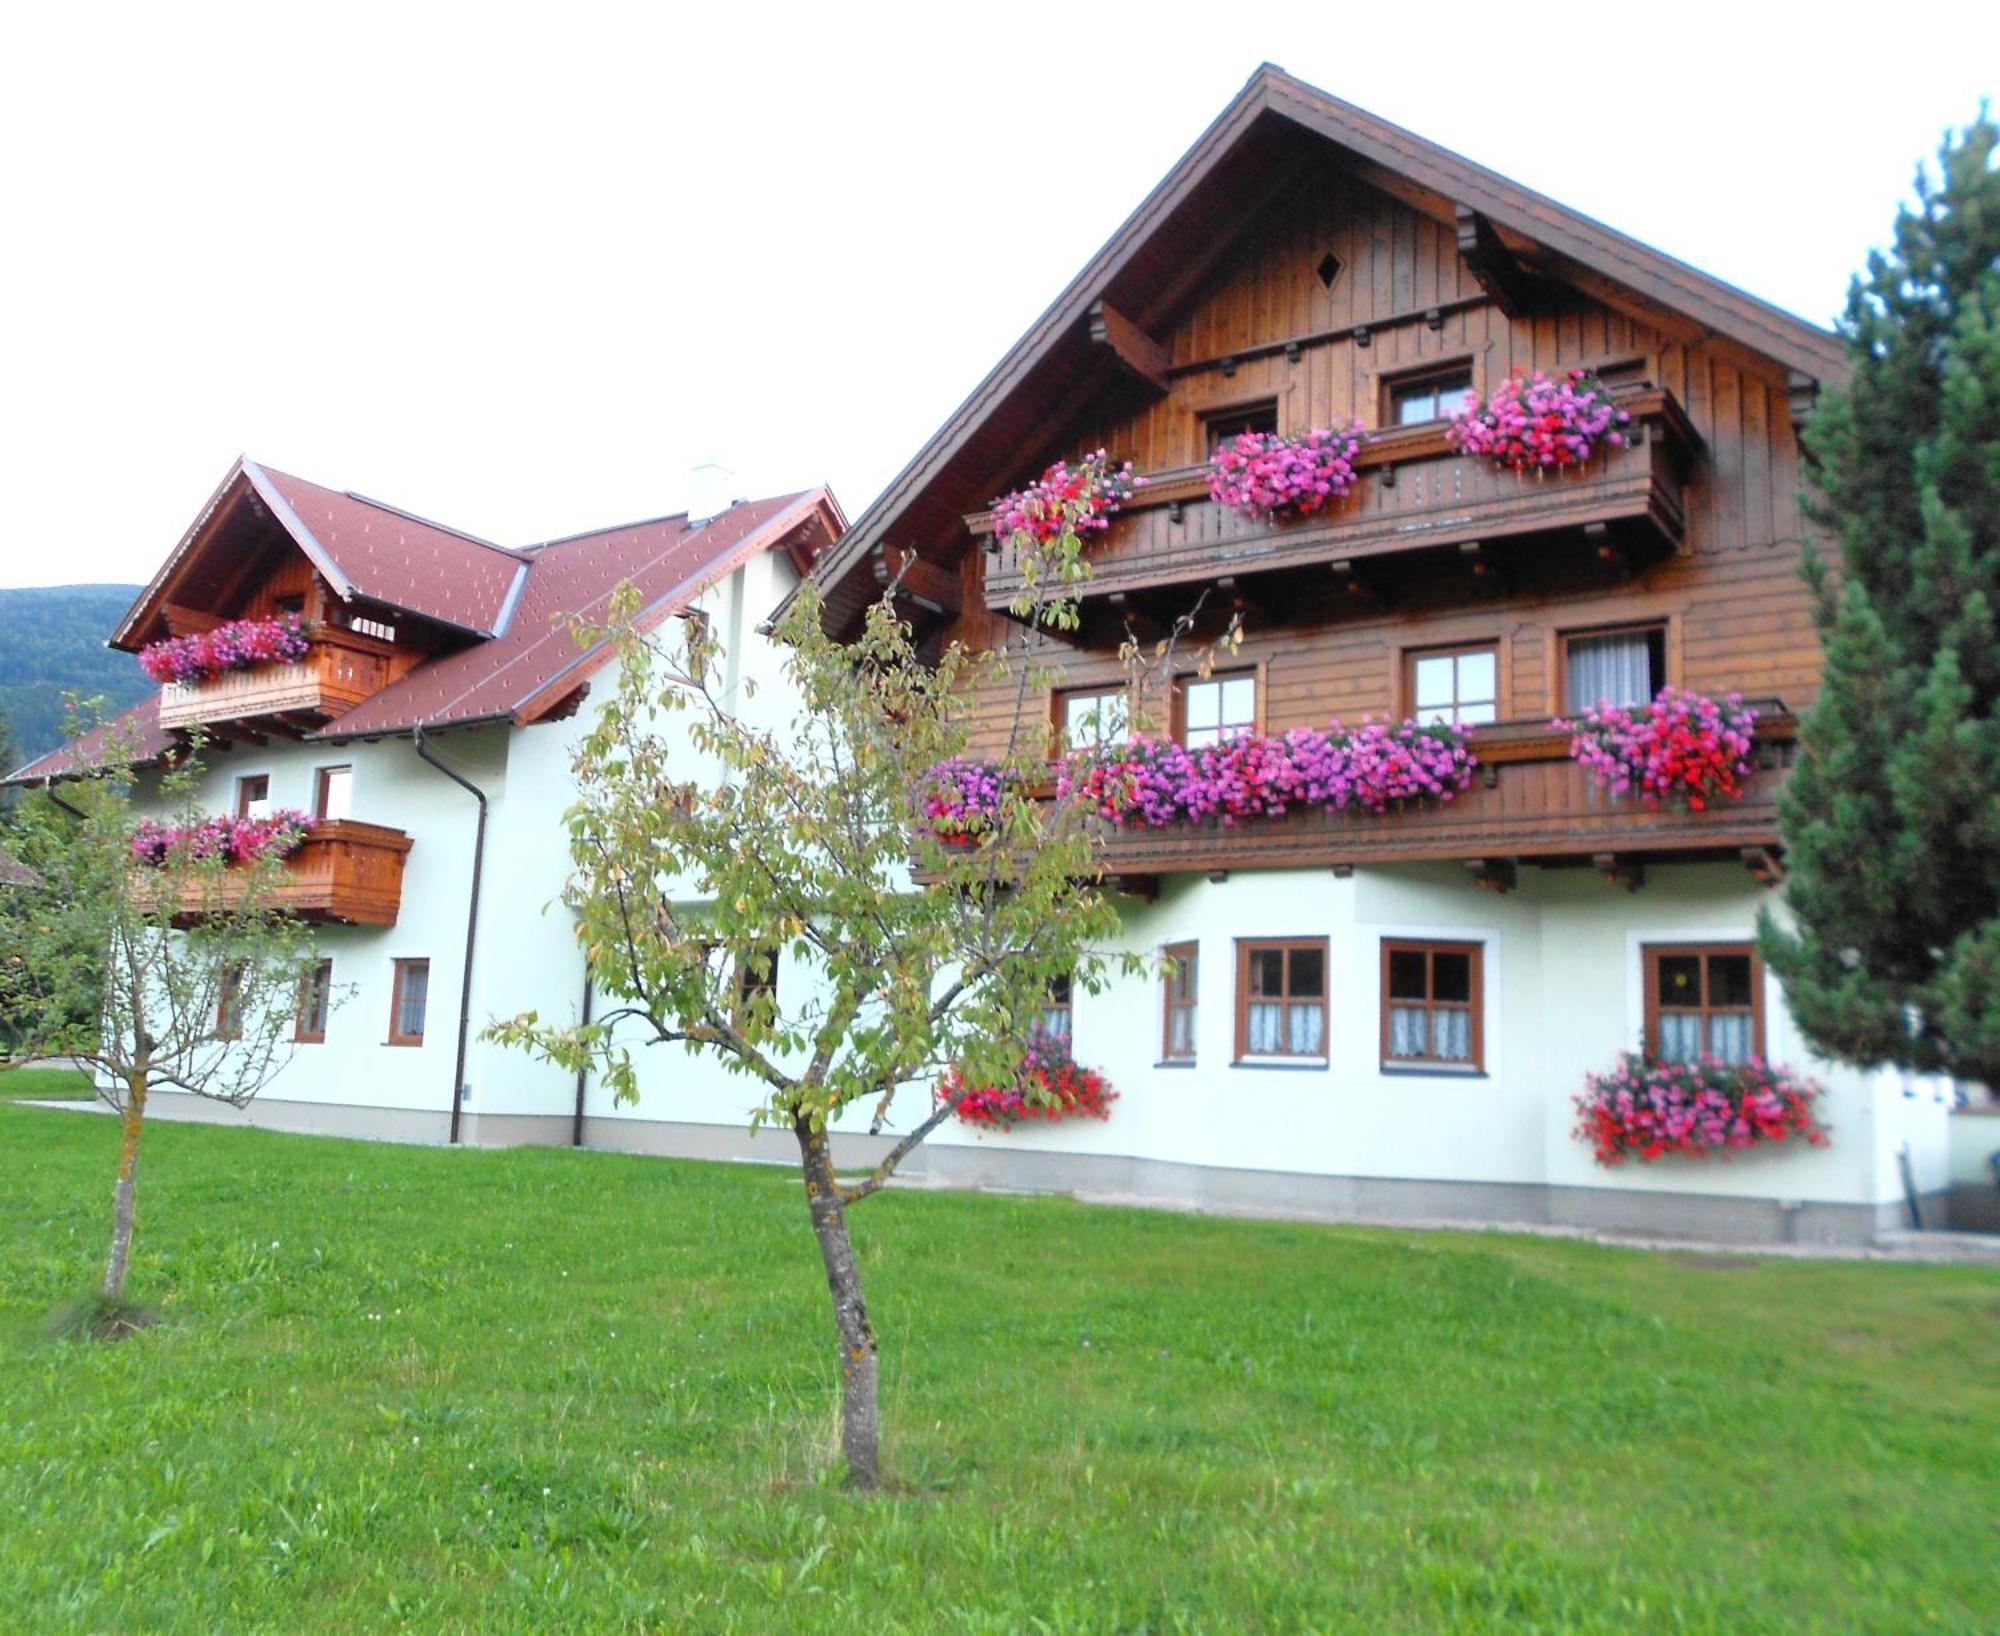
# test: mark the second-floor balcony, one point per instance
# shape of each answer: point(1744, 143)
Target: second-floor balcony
point(341, 668)
point(344, 873)
point(1416, 495)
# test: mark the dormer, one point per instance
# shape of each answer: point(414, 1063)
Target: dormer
point(286, 605)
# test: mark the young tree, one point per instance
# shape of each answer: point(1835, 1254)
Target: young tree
point(704, 843)
point(1891, 820)
point(183, 972)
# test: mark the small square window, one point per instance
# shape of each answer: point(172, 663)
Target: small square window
point(315, 1000)
point(253, 796)
point(1093, 716)
point(1058, 1008)
point(1418, 401)
point(333, 793)
point(1431, 1005)
point(1625, 668)
point(1460, 686)
point(1227, 423)
point(409, 1002)
point(1178, 1000)
point(1218, 708)
point(1703, 1002)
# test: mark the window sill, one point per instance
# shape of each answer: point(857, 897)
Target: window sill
point(1283, 1065)
point(419, 1040)
point(1430, 1070)
point(1175, 1062)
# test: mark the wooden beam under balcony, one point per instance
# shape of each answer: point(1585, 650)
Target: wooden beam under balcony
point(930, 587)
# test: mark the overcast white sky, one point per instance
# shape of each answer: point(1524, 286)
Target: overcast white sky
point(519, 271)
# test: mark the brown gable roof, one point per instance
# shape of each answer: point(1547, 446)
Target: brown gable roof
point(366, 550)
point(1201, 198)
point(532, 666)
point(137, 730)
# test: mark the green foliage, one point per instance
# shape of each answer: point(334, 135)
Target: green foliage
point(51, 645)
point(127, 968)
point(1891, 821)
point(705, 838)
point(400, 1388)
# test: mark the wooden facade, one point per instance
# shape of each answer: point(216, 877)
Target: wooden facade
point(1311, 290)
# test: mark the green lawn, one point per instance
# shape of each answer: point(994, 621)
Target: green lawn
point(541, 1390)
point(45, 1085)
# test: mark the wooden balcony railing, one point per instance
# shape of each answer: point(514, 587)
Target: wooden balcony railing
point(342, 668)
point(1416, 493)
point(1528, 803)
point(346, 873)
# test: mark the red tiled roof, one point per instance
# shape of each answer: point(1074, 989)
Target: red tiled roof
point(139, 734)
point(388, 556)
point(536, 661)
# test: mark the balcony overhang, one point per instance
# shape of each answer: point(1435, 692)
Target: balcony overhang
point(345, 873)
point(341, 668)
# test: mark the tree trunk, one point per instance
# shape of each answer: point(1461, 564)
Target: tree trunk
point(125, 1195)
point(860, 1410)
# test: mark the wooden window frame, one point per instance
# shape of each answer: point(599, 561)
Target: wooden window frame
point(1181, 956)
point(1177, 705)
point(1407, 678)
point(1616, 627)
point(229, 1004)
point(1429, 948)
point(244, 799)
point(315, 1002)
point(320, 782)
point(403, 968)
point(1651, 955)
point(1058, 700)
point(1245, 409)
point(1067, 1006)
point(1245, 947)
point(1388, 382)
point(749, 983)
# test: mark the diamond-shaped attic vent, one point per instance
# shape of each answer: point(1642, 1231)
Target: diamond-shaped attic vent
point(1328, 269)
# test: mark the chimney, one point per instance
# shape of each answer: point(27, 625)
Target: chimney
point(709, 486)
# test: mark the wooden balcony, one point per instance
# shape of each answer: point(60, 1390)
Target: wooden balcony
point(342, 668)
point(1416, 494)
point(347, 874)
point(1528, 803)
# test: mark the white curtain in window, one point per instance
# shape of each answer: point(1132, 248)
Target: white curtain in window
point(1180, 1032)
point(1265, 1022)
point(1451, 1036)
point(1615, 669)
point(1055, 1023)
point(1308, 1030)
point(1408, 1027)
point(1729, 1037)
point(1680, 1036)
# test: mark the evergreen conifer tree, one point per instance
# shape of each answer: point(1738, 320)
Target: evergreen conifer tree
point(1891, 820)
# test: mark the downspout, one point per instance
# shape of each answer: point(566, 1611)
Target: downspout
point(582, 1070)
point(471, 926)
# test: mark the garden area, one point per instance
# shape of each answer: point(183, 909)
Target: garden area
point(397, 1387)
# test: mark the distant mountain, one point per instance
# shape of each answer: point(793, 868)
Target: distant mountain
point(52, 642)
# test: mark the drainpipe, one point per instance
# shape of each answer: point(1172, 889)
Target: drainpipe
point(471, 927)
point(582, 1072)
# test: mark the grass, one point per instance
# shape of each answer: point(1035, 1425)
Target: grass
point(45, 1085)
point(401, 1387)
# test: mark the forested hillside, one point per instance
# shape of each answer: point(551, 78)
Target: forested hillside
point(52, 642)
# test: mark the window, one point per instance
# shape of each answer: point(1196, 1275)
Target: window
point(315, 999)
point(1704, 1000)
point(1057, 1008)
point(1281, 999)
point(1089, 716)
point(1431, 1001)
point(406, 1011)
point(229, 1004)
point(1622, 667)
point(1177, 989)
point(756, 974)
point(1456, 685)
point(1218, 708)
point(253, 796)
point(1250, 417)
point(333, 793)
point(1415, 401)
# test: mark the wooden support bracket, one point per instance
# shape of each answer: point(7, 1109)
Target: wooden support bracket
point(1140, 623)
point(1764, 864)
point(1516, 288)
point(1359, 590)
point(1144, 887)
point(921, 582)
point(1626, 872)
point(1137, 353)
point(1493, 874)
